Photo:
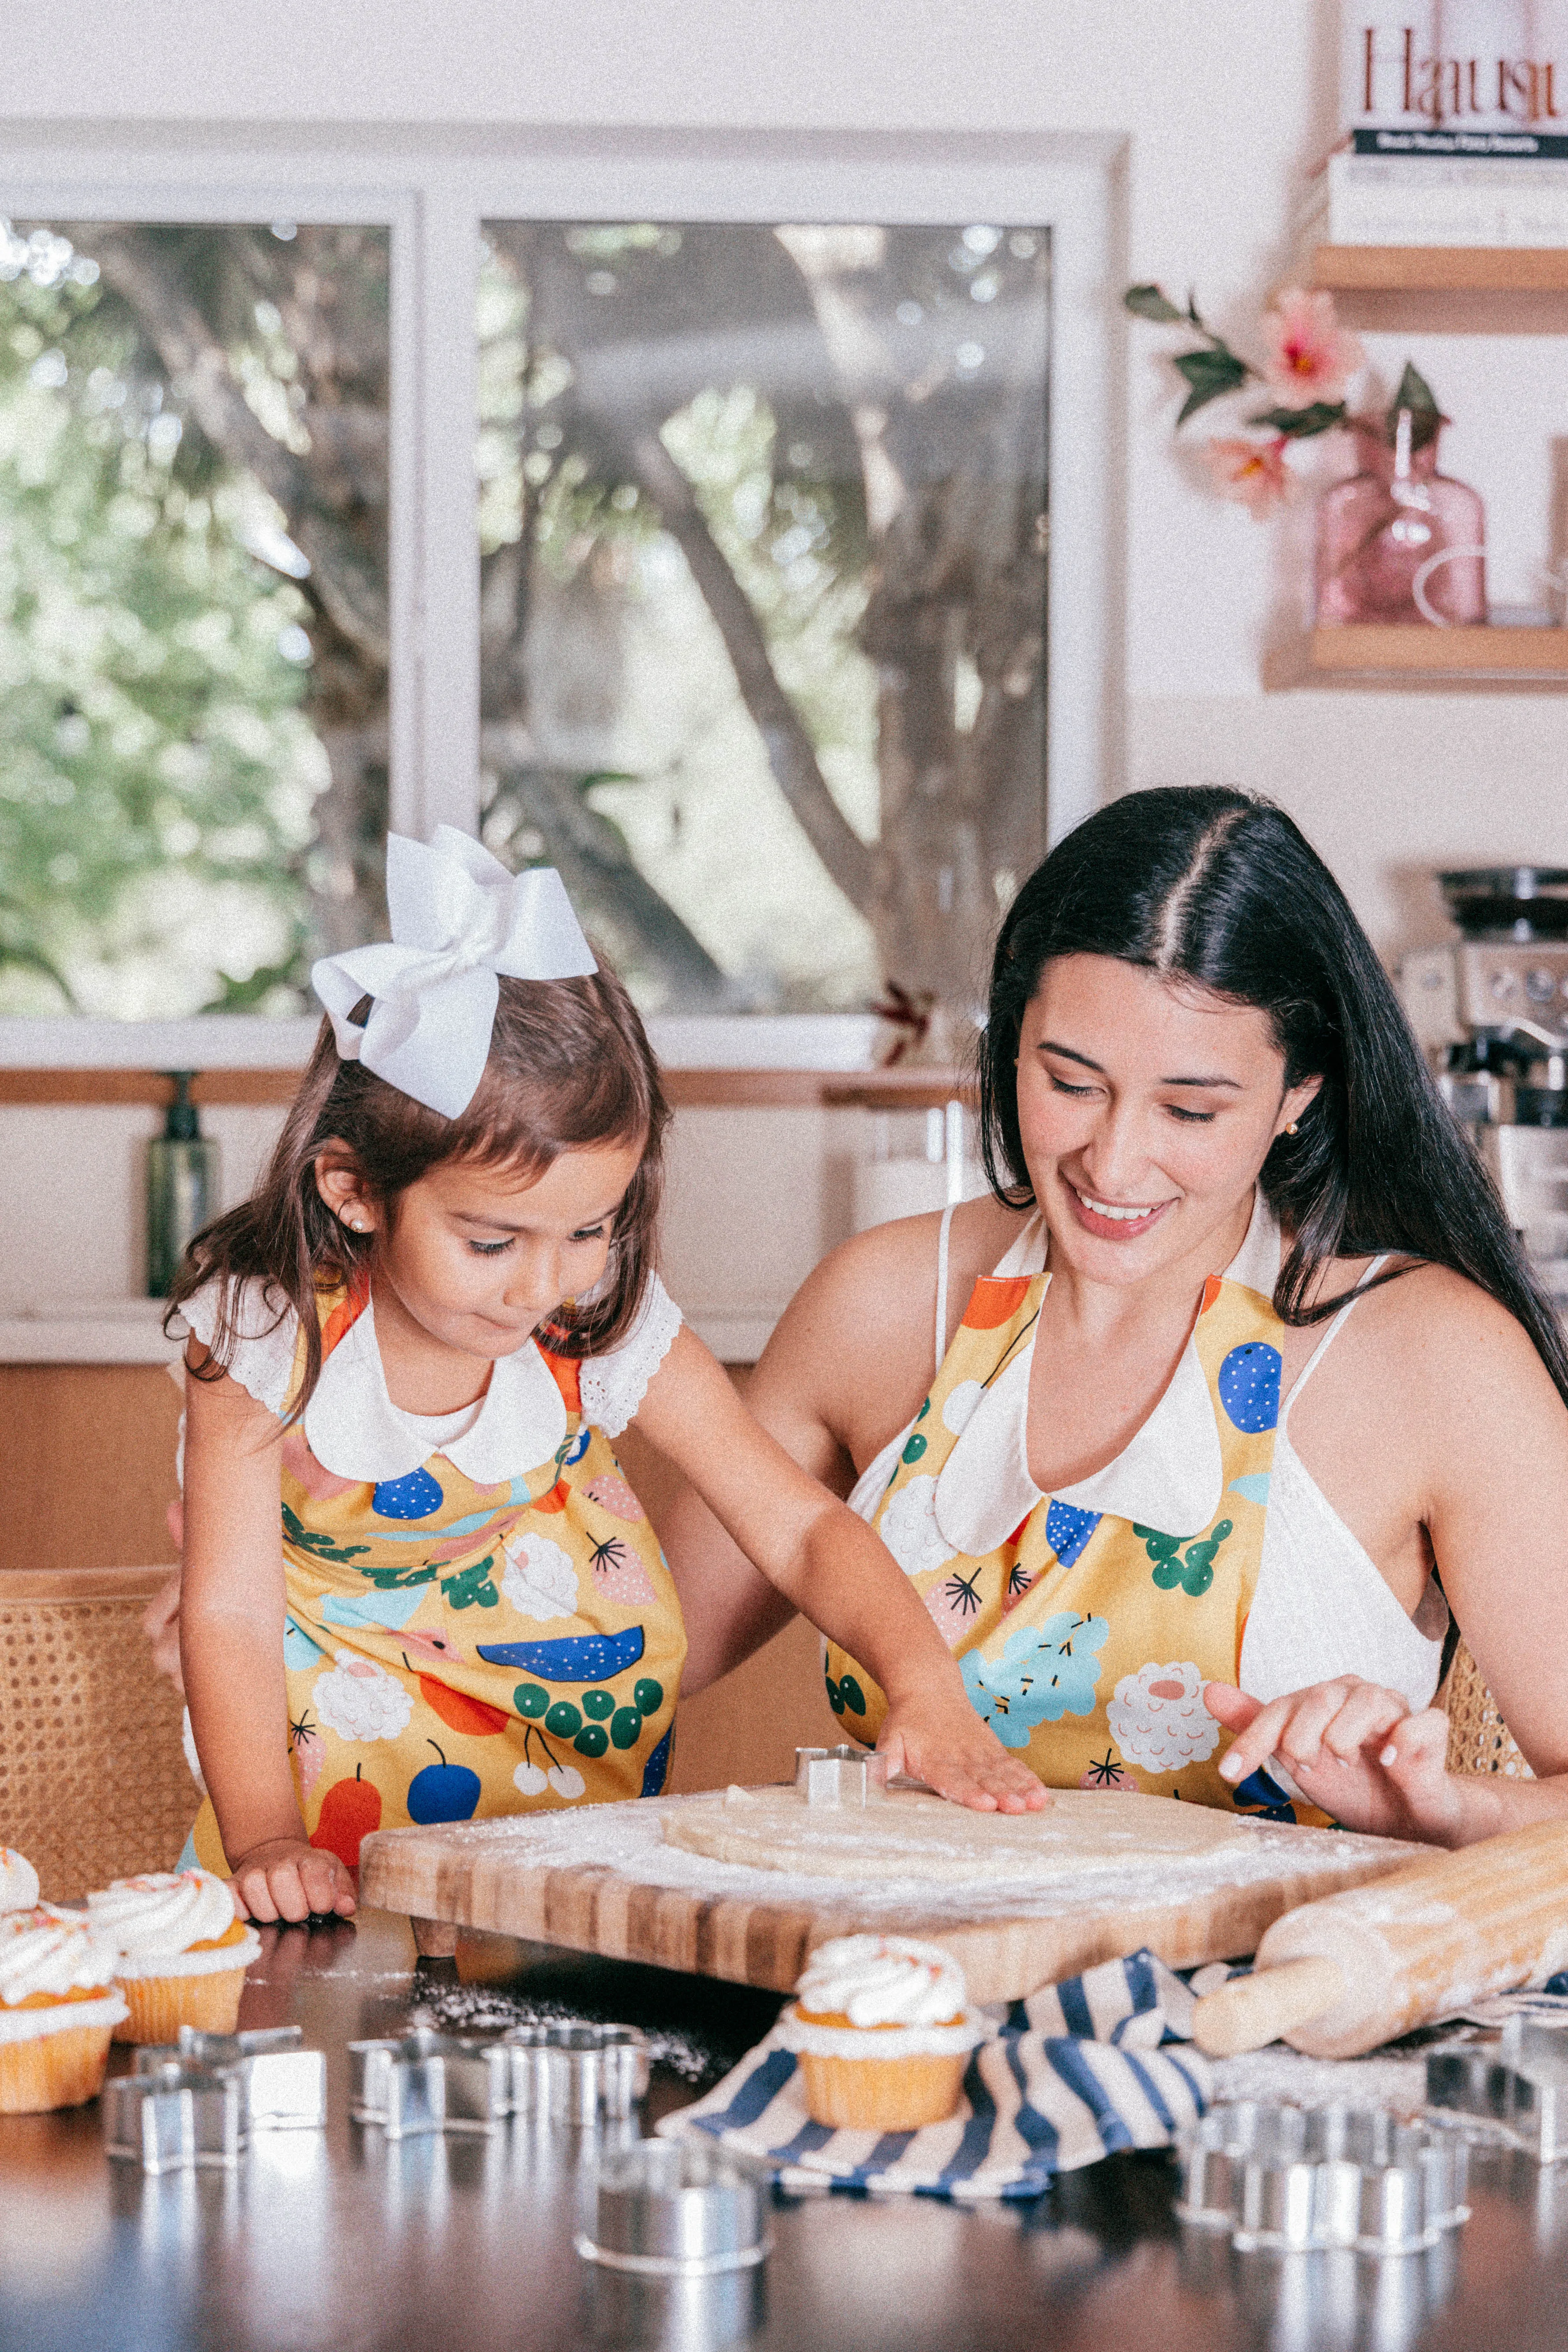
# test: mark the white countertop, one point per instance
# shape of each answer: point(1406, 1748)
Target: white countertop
point(129, 1331)
point(88, 1331)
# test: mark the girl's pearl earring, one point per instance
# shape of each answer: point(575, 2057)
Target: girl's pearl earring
point(1291, 1129)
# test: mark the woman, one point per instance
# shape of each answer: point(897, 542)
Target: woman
point(1286, 1395)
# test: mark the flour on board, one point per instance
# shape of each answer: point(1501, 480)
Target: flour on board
point(912, 1835)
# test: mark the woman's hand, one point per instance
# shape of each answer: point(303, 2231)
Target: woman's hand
point(1353, 1749)
point(161, 1623)
point(287, 1878)
point(943, 1743)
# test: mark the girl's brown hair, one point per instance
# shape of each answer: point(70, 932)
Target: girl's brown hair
point(570, 1066)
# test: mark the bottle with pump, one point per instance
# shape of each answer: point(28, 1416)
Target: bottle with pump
point(181, 1187)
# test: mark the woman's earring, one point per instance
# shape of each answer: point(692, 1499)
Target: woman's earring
point(1291, 1129)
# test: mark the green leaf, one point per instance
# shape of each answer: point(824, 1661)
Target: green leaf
point(1208, 375)
point(1149, 302)
point(1426, 417)
point(1301, 424)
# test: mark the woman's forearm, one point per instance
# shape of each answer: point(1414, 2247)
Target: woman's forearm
point(1487, 1803)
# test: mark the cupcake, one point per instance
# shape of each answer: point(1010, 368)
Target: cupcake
point(18, 1881)
point(58, 2006)
point(183, 1952)
point(881, 2029)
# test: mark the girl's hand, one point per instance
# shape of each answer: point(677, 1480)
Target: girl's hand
point(1354, 1749)
point(944, 1743)
point(286, 1878)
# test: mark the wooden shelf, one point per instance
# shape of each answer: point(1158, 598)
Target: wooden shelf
point(1440, 270)
point(1363, 653)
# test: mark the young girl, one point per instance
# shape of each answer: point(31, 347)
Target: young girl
point(420, 1338)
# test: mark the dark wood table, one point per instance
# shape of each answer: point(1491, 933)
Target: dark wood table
point(343, 2241)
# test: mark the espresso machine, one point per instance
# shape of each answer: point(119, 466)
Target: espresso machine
point(1491, 1010)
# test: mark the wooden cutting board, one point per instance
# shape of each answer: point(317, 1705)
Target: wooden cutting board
point(604, 1881)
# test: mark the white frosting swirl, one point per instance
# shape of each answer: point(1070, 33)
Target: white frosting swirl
point(161, 1915)
point(882, 1981)
point(18, 1881)
point(49, 1951)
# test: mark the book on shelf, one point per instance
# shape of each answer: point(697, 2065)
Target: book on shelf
point(1457, 67)
point(1382, 200)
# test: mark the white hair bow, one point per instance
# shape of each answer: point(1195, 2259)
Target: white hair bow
point(459, 918)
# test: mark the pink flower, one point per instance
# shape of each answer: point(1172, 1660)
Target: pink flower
point(1254, 473)
point(1309, 356)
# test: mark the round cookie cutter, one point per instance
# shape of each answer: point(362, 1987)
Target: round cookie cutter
point(678, 2208)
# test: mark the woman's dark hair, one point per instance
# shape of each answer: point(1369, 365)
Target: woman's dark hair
point(1212, 887)
point(570, 1066)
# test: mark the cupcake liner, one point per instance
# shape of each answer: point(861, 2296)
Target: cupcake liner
point(62, 2065)
point(157, 2007)
point(881, 2095)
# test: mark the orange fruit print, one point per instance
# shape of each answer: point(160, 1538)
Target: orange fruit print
point(460, 1712)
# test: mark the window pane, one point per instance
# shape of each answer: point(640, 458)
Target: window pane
point(193, 587)
point(763, 514)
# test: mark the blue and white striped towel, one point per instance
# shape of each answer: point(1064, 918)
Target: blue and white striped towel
point(1075, 2073)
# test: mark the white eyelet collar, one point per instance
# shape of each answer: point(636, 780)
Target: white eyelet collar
point(356, 1431)
point(1170, 1476)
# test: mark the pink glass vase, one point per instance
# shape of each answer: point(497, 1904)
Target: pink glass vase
point(1400, 542)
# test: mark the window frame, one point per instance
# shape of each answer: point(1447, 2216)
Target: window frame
point(433, 190)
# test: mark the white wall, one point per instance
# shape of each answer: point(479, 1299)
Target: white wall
point(1222, 102)
point(754, 1198)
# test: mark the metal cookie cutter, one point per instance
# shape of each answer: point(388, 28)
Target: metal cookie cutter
point(174, 2115)
point(427, 2081)
point(840, 1776)
point(575, 2073)
point(282, 2085)
point(1519, 2088)
point(678, 2208)
point(1292, 2178)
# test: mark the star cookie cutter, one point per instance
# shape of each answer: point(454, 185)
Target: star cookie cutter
point(173, 2116)
point(429, 2081)
point(840, 1776)
point(283, 2085)
point(425, 2081)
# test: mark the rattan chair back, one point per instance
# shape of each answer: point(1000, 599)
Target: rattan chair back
point(1478, 1739)
point(93, 1780)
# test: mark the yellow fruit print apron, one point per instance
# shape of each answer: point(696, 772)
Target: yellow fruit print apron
point(1085, 1638)
point(456, 1650)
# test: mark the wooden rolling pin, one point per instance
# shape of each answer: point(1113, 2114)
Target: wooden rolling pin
point(1339, 1976)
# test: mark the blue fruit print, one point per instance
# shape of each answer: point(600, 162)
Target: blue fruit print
point(443, 1791)
point(1067, 1529)
point(574, 1449)
point(1250, 1386)
point(1045, 1672)
point(1258, 1791)
point(576, 1658)
point(657, 1769)
point(299, 1653)
point(411, 1497)
point(389, 1610)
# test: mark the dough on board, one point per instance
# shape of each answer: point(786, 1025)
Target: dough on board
point(914, 1835)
